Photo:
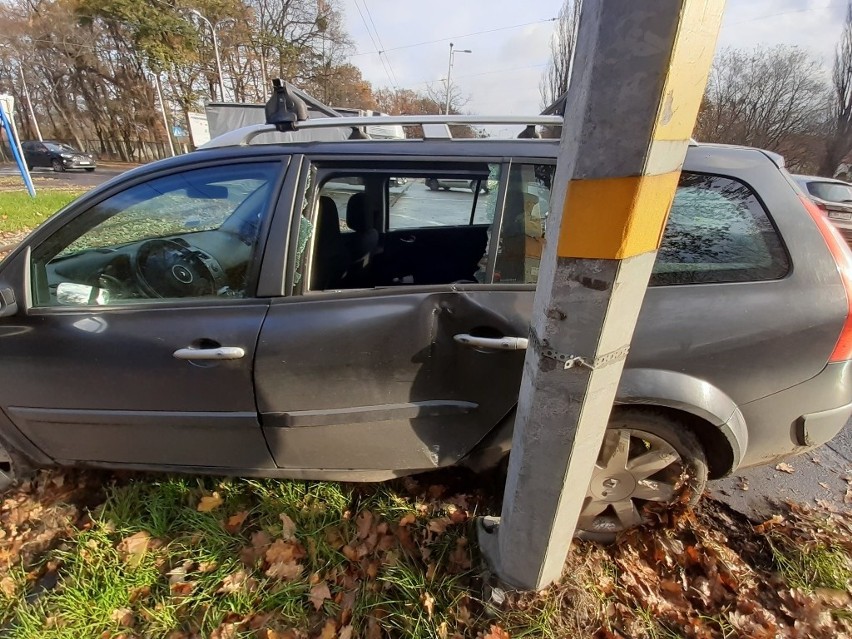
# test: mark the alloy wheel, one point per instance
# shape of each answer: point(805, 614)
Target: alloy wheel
point(634, 467)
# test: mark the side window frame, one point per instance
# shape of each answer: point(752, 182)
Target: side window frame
point(89, 203)
point(316, 169)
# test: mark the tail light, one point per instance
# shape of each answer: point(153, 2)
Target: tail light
point(843, 258)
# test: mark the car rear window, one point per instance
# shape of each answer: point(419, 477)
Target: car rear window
point(831, 191)
point(718, 231)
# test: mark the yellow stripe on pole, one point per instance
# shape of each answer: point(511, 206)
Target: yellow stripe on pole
point(616, 218)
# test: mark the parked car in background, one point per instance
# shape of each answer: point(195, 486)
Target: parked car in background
point(833, 197)
point(57, 156)
point(448, 183)
point(212, 313)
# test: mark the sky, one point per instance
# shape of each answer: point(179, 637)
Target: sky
point(502, 74)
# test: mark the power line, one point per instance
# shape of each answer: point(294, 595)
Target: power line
point(784, 13)
point(456, 37)
point(373, 40)
point(381, 44)
point(474, 75)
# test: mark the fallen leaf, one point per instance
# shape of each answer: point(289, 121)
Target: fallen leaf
point(329, 630)
point(240, 581)
point(365, 524)
point(835, 598)
point(8, 587)
point(496, 632)
point(209, 502)
point(283, 551)
point(847, 498)
point(439, 525)
point(350, 553)
point(345, 632)
point(288, 571)
point(207, 566)
point(319, 594)
point(288, 527)
point(176, 575)
point(235, 522)
point(824, 485)
point(133, 548)
point(428, 602)
point(139, 593)
point(123, 617)
point(182, 588)
point(334, 538)
point(225, 631)
point(443, 630)
point(785, 468)
point(408, 519)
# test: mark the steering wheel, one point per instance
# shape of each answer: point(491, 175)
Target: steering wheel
point(174, 268)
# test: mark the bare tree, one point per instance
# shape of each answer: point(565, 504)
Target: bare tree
point(555, 79)
point(772, 98)
point(839, 141)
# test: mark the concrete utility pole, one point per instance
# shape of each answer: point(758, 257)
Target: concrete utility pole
point(639, 75)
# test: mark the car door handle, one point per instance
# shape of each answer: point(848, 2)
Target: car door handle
point(493, 343)
point(219, 353)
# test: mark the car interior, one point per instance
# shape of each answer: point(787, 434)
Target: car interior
point(359, 244)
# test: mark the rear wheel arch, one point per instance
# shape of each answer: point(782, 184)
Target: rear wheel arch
point(721, 457)
point(721, 443)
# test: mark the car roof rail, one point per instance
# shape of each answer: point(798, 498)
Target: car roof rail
point(243, 136)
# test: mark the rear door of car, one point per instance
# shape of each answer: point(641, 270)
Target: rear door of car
point(372, 379)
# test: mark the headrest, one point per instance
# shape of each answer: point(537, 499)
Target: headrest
point(357, 213)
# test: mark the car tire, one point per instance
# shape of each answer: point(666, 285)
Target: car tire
point(13, 469)
point(57, 166)
point(675, 472)
point(432, 184)
point(473, 188)
point(90, 170)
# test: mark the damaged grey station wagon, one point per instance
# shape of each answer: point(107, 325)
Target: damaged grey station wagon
point(318, 310)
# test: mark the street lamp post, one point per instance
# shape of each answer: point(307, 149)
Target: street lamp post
point(450, 72)
point(212, 27)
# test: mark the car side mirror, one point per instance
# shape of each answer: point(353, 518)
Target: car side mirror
point(8, 303)
point(73, 294)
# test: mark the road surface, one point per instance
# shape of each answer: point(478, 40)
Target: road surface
point(822, 476)
point(68, 179)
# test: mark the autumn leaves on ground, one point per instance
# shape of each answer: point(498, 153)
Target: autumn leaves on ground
point(85, 554)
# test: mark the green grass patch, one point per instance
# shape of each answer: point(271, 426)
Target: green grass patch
point(155, 562)
point(812, 565)
point(18, 211)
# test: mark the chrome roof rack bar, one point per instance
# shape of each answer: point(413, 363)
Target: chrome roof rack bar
point(244, 135)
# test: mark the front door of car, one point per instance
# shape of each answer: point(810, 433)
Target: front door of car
point(374, 378)
point(137, 342)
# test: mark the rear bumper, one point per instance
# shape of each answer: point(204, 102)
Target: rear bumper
point(815, 429)
point(797, 419)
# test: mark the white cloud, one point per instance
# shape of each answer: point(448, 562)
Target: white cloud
point(503, 72)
